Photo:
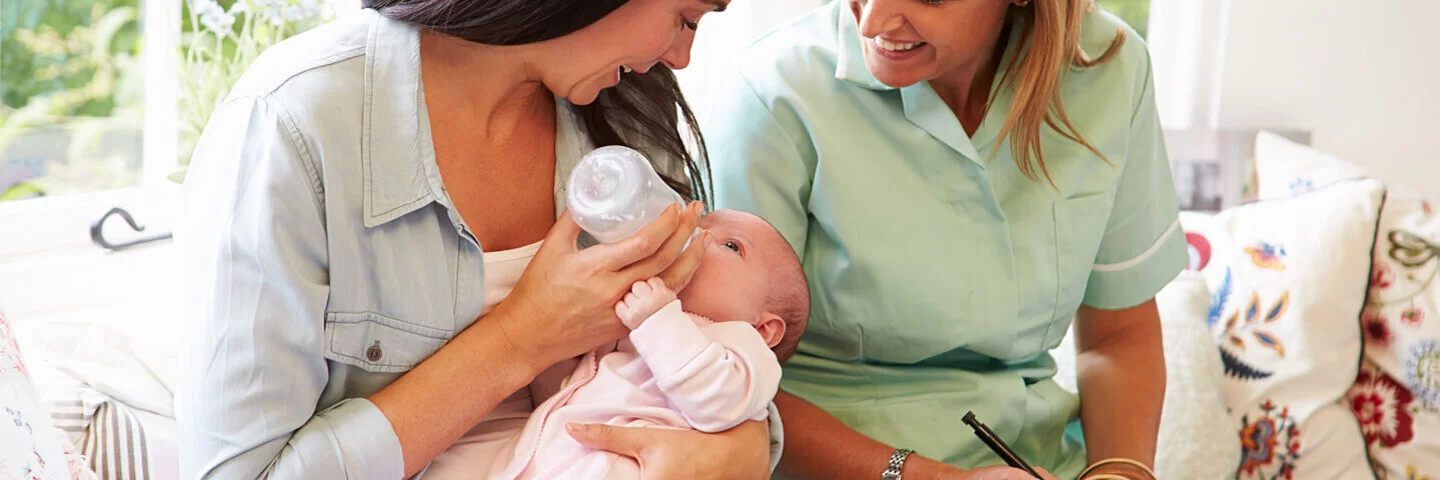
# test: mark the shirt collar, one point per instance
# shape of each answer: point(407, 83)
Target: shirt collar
point(394, 147)
point(397, 150)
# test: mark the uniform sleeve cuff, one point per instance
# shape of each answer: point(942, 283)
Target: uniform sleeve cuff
point(1136, 281)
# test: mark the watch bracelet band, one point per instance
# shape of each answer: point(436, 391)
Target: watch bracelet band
point(897, 462)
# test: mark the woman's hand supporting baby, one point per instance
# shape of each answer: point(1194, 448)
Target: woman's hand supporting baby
point(740, 453)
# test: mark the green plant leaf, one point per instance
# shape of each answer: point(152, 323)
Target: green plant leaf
point(21, 191)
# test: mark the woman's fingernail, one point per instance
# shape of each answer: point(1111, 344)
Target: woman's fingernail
point(574, 427)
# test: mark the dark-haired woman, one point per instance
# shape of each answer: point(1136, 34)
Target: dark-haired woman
point(376, 259)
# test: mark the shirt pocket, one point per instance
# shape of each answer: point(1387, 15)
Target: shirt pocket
point(1080, 224)
point(377, 343)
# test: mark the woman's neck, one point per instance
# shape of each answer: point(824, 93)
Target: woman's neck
point(966, 89)
point(492, 88)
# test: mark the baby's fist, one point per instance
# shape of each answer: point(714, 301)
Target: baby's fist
point(645, 298)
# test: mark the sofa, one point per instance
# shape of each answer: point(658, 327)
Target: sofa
point(1303, 340)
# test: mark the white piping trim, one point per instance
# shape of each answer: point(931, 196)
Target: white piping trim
point(1115, 267)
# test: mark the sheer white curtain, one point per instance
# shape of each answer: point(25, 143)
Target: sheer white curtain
point(1186, 40)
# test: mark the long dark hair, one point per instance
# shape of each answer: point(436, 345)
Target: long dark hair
point(643, 112)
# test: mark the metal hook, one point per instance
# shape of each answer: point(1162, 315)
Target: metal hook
point(97, 233)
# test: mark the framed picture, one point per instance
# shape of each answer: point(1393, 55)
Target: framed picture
point(1215, 169)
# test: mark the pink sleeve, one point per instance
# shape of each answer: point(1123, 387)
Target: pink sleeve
point(718, 375)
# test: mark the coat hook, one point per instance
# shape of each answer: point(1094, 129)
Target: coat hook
point(97, 233)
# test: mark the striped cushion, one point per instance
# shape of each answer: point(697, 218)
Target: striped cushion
point(105, 431)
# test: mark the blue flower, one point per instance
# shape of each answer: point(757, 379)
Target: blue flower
point(213, 16)
point(1301, 185)
point(1422, 373)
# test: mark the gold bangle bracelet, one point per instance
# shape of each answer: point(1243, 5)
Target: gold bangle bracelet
point(1122, 461)
point(1106, 476)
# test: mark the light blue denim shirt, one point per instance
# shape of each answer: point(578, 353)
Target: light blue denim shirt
point(323, 258)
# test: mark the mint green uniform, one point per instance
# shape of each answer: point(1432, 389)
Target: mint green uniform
point(940, 275)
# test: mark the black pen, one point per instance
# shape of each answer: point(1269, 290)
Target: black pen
point(997, 445)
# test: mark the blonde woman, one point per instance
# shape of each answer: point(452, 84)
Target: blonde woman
point(962, 178)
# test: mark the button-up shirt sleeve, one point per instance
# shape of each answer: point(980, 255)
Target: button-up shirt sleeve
point(257, 283)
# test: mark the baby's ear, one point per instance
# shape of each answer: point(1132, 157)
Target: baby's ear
point(771, 328)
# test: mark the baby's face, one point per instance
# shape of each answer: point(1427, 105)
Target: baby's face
point(733, 280)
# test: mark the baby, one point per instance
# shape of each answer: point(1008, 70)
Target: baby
point(708, 366)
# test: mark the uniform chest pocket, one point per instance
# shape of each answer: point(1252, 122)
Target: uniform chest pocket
point(378, 343)
point(1080, 224)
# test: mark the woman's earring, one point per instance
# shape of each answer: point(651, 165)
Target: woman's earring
point(1022, 3)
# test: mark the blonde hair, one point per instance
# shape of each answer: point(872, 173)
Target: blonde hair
point(1052, 34)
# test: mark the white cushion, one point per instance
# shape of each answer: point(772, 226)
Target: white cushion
point(1196, 439)
point(1284, 168)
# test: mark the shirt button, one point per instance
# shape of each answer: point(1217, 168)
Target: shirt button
point(374, 352)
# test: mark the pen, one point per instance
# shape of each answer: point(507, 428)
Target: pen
point(997, 445)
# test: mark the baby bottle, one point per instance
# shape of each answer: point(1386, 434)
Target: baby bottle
point(614, 192)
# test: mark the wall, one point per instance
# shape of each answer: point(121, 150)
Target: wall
point(1363, 77)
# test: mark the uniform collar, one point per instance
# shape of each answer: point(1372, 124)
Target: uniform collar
point(923, 107)
point(850, 61)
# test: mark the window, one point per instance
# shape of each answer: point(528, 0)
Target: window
point(1134, 12)
point(72, 96)
point(92, 97)
point(101, 102)
point(219, 41)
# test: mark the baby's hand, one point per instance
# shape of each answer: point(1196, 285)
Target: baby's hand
point(644, 299)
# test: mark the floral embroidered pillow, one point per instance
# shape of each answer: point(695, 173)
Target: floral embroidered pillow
point(31, 448)
point(1397, 395)
point(1288, 280)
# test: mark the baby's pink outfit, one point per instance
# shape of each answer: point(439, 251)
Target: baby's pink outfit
point(676, 371)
